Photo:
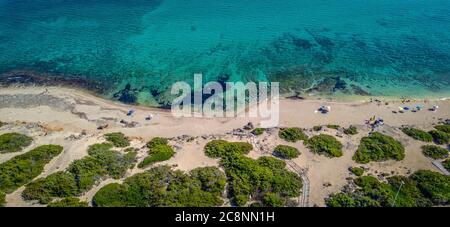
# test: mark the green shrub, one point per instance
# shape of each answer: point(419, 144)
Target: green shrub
point(156, 142)
point(292, 134)
point(379, 147)
point(2, 199)
point(271, 162)
point(245, 176)
point(86, 172)
point(130, 149)
point(422, 189)
point(243, 147)
point(113, 195)
point(69, 202)
point(256, 204)
point(22, 169)
point(114, 163)
point(158, 153)
point(2, 123)
point(258, 131)
point(371, 193)
point(434, 186)
point(317, 128)
point(13, 142)
point(210, 179)
point(352, 130)
point(333, 126)
point(440, 137)
point(443, 128)
point(159, 150)
point(272, 200)
point(358, 171)
point(409, 194)
point(446, 164)
point(418, 134)
point(341, 200)
point(240, 200)
point(81, 175)
point(59, 184)
point(163, 187)
point(325, 145)
point(221, 148)
point(216, 148)
point(99, 147)
point(286, 152)
point(118, 139)
point(286, 183)
point(101, 162)
point(249, 178)
point(434, 151)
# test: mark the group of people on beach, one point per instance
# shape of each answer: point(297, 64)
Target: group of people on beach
point(415, 109)
point(374, 122)
point(132, 111)
point(323, 110)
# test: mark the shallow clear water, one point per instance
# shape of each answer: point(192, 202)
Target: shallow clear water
point(381, 47)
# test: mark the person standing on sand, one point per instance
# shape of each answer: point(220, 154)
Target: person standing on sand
point(45, 91)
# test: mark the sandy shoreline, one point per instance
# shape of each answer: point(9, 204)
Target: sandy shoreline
point(71, 118)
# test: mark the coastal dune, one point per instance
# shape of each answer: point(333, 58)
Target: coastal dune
point(76, 119)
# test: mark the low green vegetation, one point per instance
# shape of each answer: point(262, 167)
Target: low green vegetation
point(422, 189)
point(100, 163)
point(163, 187)
point(249, 180)
point(159, 154)
point(81, 175)
point(271, 163)
point(258, 131)
point(273, 200)
point(59, 184)
point(352, 130)
point(292, 134)
point(336, 127)
point(13, 142)
point(22, 169)
point(325, 145)
point(2, 124)
point(211, 179)
point(157, 141)
point(434, 186)
point(317, 128)
point(434, 152)
point(418, 134)
point(440, 137)
point(2, 199)
point(446, 164)
point(358, 171)
point(118, 139)
point(159, 150)
point(286, 152)
point(113, 163)
point(379, 147)
point(69, 202)
point(443, 128)
point(256, 204)
point(130, 149)
point(221, 148)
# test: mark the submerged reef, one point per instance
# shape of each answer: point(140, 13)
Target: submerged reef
point(129, 52)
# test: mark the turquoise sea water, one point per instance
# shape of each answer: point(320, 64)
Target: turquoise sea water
point(381, 47)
